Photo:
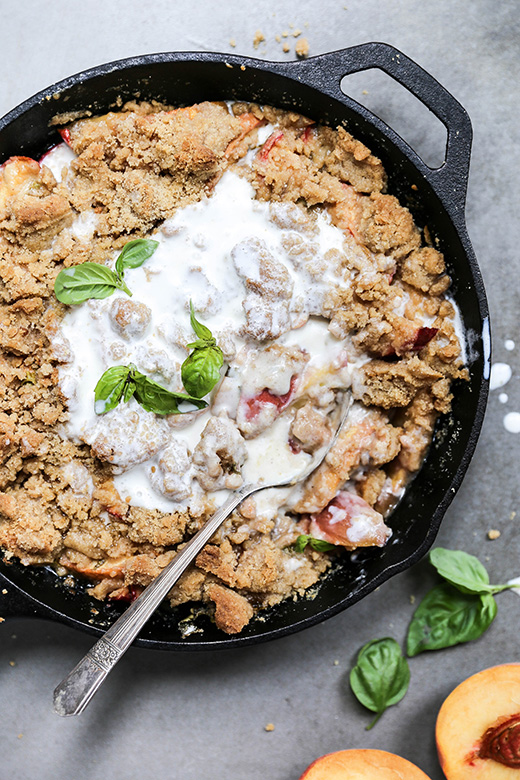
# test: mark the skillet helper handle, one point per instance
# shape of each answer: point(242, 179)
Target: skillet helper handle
point(77, 689)
point(326, 71)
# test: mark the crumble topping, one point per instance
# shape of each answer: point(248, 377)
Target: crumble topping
point(312, 280)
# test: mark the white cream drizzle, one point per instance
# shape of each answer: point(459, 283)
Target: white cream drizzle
point(194, 261)
point(500, 375)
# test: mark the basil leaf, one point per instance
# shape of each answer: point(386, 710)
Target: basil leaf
point(120, 383)
point(87, 280)
point(153, 397)
point(200, 371)
point(201, 330)
point(447, 617)
point(317, 544)
point(381, 676)
point(464, 571)
point(134, 254)
point(113, 385)
point(461, 569)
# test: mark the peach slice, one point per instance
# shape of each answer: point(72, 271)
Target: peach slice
point(478, 726)
point(358, 764)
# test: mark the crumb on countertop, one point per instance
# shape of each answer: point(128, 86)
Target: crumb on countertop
point(269, 727)
point(493, 533)
point(232, 42)
point(302, 48)
point(259, 37)
point(286, 47)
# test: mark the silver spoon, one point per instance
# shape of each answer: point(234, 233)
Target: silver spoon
point(77, 689)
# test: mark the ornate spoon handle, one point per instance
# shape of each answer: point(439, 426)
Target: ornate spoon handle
point(74, 693)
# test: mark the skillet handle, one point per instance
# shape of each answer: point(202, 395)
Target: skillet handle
point(326, 71)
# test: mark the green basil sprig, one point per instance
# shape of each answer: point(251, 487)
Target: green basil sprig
point(317, 544)
point(120, 383)
point(464, 571)
point(91, 280)
point(446, 616)
point(380, 677)
point(200, 371)
point(135, 253)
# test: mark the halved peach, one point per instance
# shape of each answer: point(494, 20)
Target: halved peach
point(478, 726)
point(358, 764)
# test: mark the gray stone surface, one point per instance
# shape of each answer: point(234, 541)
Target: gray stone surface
point(195, 716)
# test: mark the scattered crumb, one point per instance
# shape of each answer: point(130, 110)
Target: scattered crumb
point(242, 67)
point(269, 727)
point(20, 736)
point(336, 663)
point(297, 33)
point(278, 38)
point(286, 47)
point(12, 663)
point(259, 37)
point(285, 34)
point(493, 533)
point(94, 611)
point(228, 65)
point(412, 599)
point(302, 48)
point(4, 591)
point(232, 42)
point(512, 515)
point(414, 187)
point(365, 92)
point(2, 620)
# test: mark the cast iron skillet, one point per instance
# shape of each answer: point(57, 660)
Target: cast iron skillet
point(312, 87)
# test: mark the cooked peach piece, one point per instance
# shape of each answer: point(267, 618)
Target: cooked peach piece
point(350, 522)
point(358, 764)
point(478, 726)
point(16, 174)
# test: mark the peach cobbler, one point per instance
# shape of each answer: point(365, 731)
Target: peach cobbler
point(185, 296)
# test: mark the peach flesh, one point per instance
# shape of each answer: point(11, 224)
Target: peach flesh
point(484, 701)
point(360, 764)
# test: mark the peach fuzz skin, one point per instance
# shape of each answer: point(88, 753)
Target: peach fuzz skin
point(482, 702)
point(358, 764)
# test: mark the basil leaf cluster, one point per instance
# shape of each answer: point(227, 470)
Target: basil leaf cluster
point(317, 544)
point(121, 383)
point(458, 610)
point(91, 280)
point(200, 371)
point(380, 677)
